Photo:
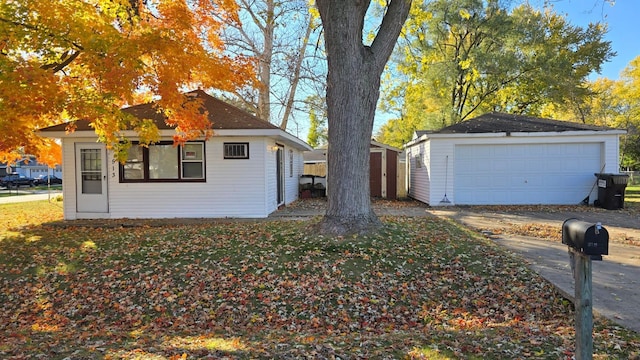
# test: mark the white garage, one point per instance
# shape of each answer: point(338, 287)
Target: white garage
point(503, 159)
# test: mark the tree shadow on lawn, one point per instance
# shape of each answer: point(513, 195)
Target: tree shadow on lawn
point(422, 287)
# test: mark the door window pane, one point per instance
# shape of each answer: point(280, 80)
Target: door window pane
point(91, 171)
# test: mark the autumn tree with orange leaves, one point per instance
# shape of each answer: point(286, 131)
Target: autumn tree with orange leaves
point(62, 60)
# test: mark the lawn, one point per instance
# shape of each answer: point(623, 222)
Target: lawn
point(423, 288)
point(632, 195)
point(25, 190)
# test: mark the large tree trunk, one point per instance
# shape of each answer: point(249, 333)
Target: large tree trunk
point(353, 88)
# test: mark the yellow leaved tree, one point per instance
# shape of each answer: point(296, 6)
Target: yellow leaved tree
point(63, 60)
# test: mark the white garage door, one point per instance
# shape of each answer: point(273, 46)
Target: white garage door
point(525, 174)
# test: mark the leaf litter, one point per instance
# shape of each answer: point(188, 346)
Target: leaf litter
point(422, 288)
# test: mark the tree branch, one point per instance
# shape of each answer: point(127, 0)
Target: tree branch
point(66, 58)
point(387, 35)
point(296, 75)
point(38, 28)
point(61, 65)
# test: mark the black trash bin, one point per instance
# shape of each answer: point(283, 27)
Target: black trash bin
point(611, 190)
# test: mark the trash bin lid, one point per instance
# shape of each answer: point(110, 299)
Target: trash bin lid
point(620, 179)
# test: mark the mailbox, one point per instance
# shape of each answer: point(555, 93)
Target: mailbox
point(589, 238)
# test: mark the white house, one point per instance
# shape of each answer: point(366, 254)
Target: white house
point(247, 169)
point(503, 159)
point(30, 167)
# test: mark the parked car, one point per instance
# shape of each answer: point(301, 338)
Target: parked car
point(16, 180)
point(47, 179)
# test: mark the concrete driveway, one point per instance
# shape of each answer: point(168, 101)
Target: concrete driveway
point(616, 279)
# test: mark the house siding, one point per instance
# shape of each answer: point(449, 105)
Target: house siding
point(441, 160)
point(69, 176)
point(292, 177)
point(217, 197)
point(270, 177)
point(244, 188)
point(290, 182)
point(420, 181)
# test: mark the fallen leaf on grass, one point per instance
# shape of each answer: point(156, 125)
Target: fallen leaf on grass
point(273, 290)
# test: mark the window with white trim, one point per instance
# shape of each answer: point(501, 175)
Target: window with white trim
point(193, 161)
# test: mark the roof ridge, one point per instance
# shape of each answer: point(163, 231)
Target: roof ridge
point(497, 122)
point(221, 114)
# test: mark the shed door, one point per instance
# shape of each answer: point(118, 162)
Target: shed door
point(375, 174)
point(91, 178)
point(392, 174)
point(525, 173)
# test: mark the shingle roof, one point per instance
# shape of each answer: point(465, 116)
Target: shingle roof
point(221, 114)
point(500, 122)
point(419, 133)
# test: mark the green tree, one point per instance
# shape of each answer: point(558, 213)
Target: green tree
point(614, 103)
point(313, 137)
point(466, 57)
point(317, 135)
point(353, 89)
point(397, 132)
point(628, 102)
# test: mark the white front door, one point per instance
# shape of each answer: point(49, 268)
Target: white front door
point(91, 178)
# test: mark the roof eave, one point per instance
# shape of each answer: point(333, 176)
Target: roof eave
point(277, 134)
point(416, 141)
point(64, 134)
point(385, 146)
point(293, 141)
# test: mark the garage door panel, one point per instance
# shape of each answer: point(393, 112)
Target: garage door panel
point(524, 173)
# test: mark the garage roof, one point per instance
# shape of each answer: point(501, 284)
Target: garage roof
point(496, 122)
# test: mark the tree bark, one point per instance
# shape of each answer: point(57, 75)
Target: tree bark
point(353, 89)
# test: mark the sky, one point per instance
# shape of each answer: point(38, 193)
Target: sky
point(623, 21)
point(623, 24)
point(621, 16)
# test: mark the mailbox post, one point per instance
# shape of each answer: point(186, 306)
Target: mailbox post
point(586, 242)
